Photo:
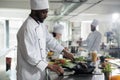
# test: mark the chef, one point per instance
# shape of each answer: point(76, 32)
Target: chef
point(58, 31)
point(33, 39)
point(94, 38)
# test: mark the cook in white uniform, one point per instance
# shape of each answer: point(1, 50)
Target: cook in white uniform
point(94, 38)
point(58, 31)
point(33, 38)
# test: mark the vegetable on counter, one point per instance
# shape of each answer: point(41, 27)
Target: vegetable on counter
point(108, 57)
point(81, 58)
point(50, 53)
point(107, 67)
point(60, 62)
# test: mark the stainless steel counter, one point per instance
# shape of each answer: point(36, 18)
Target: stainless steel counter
point(69, 76)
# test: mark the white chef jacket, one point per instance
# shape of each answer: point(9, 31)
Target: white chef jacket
point(93, 41)
point(31, 50)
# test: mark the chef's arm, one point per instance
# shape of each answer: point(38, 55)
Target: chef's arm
point(67, 54)
point(30, 53)
point(59, 70)
point(53, 44)
point(85, 42)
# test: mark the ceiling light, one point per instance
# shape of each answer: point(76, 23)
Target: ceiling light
point(115, 16)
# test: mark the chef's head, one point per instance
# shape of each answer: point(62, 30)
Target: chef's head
point(39, 9)
point(94, 24)
point(57, 31)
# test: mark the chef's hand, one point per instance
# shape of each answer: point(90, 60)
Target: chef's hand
point(56, 69)
point(66, 48)
point(68, 54)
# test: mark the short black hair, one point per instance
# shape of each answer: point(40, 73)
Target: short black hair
point(54, 34)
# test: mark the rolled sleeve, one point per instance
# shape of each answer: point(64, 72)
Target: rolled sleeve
point(59, 48)
point(42, 65)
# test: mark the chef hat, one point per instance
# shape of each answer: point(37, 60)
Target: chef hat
point(39, 4)
point(58, 28)
point(94, 23)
